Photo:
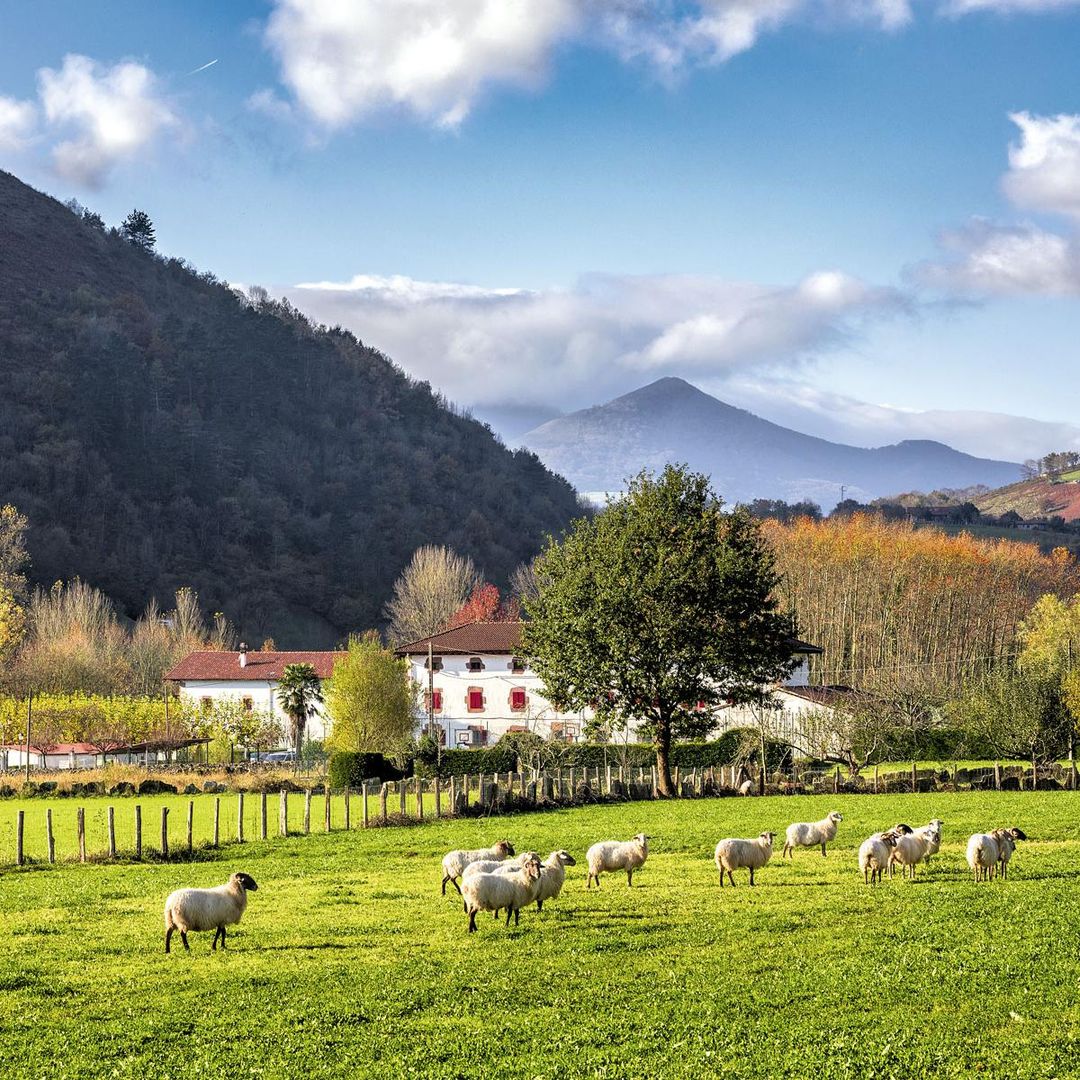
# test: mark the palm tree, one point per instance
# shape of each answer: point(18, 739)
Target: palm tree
point(299, 691)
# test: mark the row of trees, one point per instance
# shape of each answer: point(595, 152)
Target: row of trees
point(1052, 465)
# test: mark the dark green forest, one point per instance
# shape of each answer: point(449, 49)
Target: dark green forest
point(159, 430)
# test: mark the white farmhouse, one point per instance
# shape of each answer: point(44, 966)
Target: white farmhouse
point(482, 688)
point(205, 678)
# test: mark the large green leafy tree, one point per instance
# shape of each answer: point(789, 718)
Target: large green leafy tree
point(299, 690)
point(659, 603)
point(370, 698)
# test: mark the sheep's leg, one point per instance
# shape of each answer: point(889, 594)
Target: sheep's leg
point(787, 849)
point(517, 916)
point(453, 881)
point(168, 938)
point(721, 877)
point(731, 878)
point(445, 879)
point(751, 875)
point(472, 922)
point(183, 938)
point(823, 851)
point(539, 905)
point(629, 877)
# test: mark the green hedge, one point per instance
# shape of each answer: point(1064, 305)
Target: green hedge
point(352, 768)
point(937, 744)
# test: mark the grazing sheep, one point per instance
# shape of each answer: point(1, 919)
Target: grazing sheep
point(875, 852)
point(747, 787)
point(207, 909)
point(454, 862)
point(552, 876)
point(493, 866)
point(495, 891)
point(612, 855)
point(812, 833)
point(737, 854)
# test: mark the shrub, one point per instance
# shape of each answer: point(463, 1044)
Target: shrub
point(352, 768)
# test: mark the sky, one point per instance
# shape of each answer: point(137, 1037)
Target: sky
point(860, 218)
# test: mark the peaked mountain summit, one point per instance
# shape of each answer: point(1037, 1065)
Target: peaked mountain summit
point(747, 457)
point(160, 430)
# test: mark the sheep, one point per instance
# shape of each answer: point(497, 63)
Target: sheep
point(735, 854)
point(812, 833)
point(454, 862)
point(552, 876)
point(612, 855)
point(207, 909)
point(910, 850)
point(875, 852)
point(747, 787)
point(493, 866)
point(987, 852)
point(933, 835)
point(495, 891)
point(1006, 847)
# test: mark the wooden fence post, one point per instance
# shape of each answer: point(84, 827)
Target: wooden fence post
point(836, 781)
point(138, 832)
point(914, 778)
point(262, 815)
point(49, 835)
point(453, 794)
point(401, 786)
point(364, 806)
point(164, 832)
point(239, 817)
point(19, 835)
point(348, 812)
point(190, 825)
point(419, 799)
point(217, 820)
point(283, 812)
point(480, 789)
point(875, 779)
point(80, 825)
point(307, 812)
point(326, 809)
point(382, 802)
point(655, 783)
point(997, 775)
point(438, 797)
point(112, 832)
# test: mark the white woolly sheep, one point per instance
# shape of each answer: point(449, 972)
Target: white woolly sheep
point(812, 833)
point(747, 787)
point(875, 852)
point(910, 850)
point(454, 862)
point(611, 855)
point(932, 831)
point(1006, 847)
point(493, 866)
point(495, 891)
point(552, 876)
point(732, 854)
point(986, 851)
point(188, 910)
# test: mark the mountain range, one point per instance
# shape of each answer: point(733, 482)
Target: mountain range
point(748, 457)
point(159, 430)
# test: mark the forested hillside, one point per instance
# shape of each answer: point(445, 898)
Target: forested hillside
point(160, 431)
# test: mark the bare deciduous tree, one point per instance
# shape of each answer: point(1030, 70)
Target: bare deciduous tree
point(431, 588)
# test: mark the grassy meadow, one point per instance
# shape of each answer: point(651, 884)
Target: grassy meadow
point(349, 961)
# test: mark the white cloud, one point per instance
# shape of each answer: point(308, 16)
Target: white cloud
point(1044, 169)
point(110, 113)
point(345, 59)
point(846, 419)
point(987, 258)
point(17, 121)
point(431, 57)
point(572, 347)
point(1006, 7)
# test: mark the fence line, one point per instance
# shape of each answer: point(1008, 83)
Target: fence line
point(513, 791)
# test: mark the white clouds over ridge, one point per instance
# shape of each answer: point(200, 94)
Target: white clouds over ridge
point(95, 117)
point(571, 347)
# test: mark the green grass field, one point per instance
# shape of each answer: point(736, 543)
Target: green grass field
point(350, 962)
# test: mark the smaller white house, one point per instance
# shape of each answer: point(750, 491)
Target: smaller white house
point(251, 678)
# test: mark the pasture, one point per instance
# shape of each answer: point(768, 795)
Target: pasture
point(348, 960)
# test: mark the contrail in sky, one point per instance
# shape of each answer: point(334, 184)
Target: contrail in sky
point(203, 68)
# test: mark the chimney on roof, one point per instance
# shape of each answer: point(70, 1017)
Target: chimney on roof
point(243, 655)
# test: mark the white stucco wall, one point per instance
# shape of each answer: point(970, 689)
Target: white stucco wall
point(263, 698)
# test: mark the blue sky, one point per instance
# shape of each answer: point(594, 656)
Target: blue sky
point(859, 217)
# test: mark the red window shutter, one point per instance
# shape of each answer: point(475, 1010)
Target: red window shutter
point(436, 700)
point(517, 698)
point(476, 700)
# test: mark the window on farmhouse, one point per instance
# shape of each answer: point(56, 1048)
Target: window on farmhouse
point(475, 699)
point(517, 666)
point(434, 699)
point(436, 663)
point(518, 699)
point(248, 704)
point(475, 663)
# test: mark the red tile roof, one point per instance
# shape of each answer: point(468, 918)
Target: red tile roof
point(474, 639)
point(57, 748)
point(261, 666)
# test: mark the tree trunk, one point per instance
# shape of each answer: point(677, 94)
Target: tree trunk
point(298, 724)
point(663, 760)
